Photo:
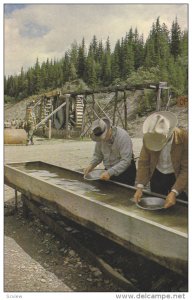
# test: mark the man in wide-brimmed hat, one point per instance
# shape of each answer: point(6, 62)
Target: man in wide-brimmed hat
point(114, 148)
point(164, 158)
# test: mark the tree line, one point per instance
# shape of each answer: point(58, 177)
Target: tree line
point(162, 57)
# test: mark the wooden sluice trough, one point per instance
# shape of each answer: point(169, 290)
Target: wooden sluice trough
point(108, 209)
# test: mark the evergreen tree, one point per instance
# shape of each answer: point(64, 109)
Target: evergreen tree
point(138, 50)
point(22, 85)
point(106, 65)
point(81, 60)
point(99, 60)
point(66, 68)
point(37, 77)
point(127, 57)
point(44, 75)
point(149, 60)
point(177, 77)
point(90, 71)
point(94, 48)
point(157, 46)
point(175, 39)
point(31, 82)
point(73, 54)
point(5, 85)
point(72, 71)
point(116, 62)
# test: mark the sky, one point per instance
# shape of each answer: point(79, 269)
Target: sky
point(48, 30)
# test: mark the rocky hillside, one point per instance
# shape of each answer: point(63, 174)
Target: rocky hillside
point(135, 126)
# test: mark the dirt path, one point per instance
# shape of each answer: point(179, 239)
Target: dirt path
point(65, 153)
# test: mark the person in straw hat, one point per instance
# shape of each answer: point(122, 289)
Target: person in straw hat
point(164, 158)
point(114, 148)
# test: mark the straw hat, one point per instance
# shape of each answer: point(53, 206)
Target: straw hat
point(99, 129)
point(158, 128)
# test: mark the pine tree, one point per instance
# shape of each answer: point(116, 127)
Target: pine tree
point(116, 62)
point(138, 50)
point(94, 48)
point(72, 71)
point(37, 77)
point(66, 68)
point(127, 57)
point(99, 60)
point(90, 70)
point(73, 54)
point(81, 60)
point(175, 45)
point(106, 65)
point(31, 82)
point(22, 85)
point(44, 75)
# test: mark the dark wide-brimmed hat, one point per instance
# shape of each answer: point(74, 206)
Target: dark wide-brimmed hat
point(99, 129)
point(158, 128)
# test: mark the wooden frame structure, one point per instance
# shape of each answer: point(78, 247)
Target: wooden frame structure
point(79, 120)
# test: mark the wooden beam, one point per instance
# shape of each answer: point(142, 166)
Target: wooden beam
point(115, 106)
point(120, 117)
point(125, 108)
point(158, 105)
point(119, 88)
point(67, 114)
point(51, 114)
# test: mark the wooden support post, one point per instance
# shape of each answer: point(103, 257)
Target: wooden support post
point(84, 113)
point(16, 200)
point(93, 98)
point(125, 109)
point(158, 106)
point(26, 210)
point(169, 99)
point(49, 129)
point(67, 116)
point(115, 106)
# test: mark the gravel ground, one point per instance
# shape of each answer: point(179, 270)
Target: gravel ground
point(27, 274)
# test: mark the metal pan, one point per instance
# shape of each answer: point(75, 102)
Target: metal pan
point(94, 175)
point(151, 203)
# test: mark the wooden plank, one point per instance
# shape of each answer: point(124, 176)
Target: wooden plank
point(51, 114)
point(125, 109)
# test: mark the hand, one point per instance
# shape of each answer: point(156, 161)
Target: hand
point(170, 200)
point(105, 176)
point(138, 194)
point(88, 169)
